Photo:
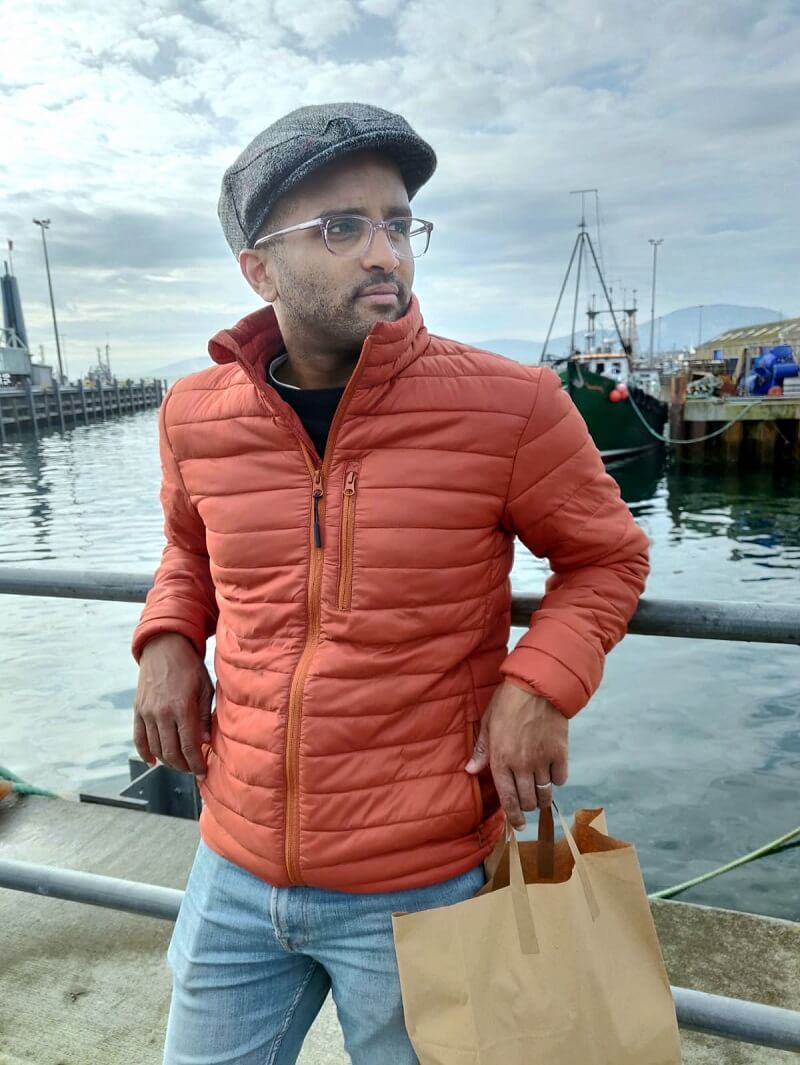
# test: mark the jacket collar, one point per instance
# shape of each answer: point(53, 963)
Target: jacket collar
point(391, 346)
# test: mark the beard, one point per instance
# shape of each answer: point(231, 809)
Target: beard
point(313, 308)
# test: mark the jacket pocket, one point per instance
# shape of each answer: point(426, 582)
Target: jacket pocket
point(473, 729)
point(346, 533)
point(473, 725)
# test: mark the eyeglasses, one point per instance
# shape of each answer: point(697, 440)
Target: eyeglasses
point(350, 235)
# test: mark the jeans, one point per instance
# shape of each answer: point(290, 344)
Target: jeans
point(252, 965)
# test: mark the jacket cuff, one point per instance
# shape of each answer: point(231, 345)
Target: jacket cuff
point(538, 673)
point(157, 626)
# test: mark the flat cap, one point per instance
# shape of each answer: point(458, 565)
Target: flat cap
point(303, 141)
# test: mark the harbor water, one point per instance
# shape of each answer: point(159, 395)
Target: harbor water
point(693, 747)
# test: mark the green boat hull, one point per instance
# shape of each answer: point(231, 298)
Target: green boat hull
point(616, 428)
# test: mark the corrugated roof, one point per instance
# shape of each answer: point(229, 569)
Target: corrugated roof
point(785, 327)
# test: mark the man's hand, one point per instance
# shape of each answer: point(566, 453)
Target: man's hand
point(172, 712)
point(523, 739)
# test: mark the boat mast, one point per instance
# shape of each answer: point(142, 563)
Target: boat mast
point(583, 240)
point(591, 328)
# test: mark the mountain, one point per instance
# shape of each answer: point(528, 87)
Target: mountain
point(676, 330)
point(692, 325)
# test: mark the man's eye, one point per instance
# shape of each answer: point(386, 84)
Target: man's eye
point(343, 227)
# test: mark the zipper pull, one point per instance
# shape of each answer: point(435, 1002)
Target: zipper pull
point(350, 484)
point(317, 493)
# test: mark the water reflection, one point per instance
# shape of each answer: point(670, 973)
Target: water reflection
point(639, 478)
point(758, 511)
point(25, 489)
point(83, 495)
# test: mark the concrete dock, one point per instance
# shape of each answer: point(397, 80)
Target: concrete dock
point(765, 430)
point(88, 986)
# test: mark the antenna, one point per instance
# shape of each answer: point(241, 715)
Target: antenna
point(582, 193)
point(597, 227)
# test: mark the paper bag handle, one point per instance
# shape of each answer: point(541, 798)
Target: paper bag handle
point(523, 915)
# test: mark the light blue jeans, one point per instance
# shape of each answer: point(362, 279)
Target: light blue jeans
point(252, 965)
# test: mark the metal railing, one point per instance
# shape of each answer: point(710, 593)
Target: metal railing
point(695, 619)
point(742, 1020)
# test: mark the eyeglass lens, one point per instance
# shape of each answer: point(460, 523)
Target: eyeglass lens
point(349, 235)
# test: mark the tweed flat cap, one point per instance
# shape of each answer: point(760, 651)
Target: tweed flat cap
point(303, 141)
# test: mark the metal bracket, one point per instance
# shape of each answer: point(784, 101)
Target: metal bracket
point(157, 789)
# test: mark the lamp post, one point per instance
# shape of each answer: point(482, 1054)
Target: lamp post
point(655, 244)
point(44, 223)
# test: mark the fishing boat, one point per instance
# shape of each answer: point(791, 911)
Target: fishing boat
point(619, 402)
point(624, 419)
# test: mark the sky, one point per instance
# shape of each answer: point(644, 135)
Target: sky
point(117, 122)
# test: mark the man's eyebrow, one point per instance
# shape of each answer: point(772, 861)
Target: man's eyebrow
point(390, 212)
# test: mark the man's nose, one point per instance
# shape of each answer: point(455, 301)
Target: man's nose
point(381, 252)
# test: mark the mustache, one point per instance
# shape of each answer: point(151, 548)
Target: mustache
point(382, 281)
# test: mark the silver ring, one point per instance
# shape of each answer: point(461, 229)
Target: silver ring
point(543, 787)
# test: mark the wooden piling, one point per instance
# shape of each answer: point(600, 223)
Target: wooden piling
point(731, 444)
point(764, 438)
point(82, 392)
point(102, 400)
point(32, 407)
point(117, 397)
point(59, 404)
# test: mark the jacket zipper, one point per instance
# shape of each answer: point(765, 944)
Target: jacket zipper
point(346, 540)
point(313, 601)
point(294, 715)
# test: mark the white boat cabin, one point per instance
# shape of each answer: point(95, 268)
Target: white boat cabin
point(610, 364)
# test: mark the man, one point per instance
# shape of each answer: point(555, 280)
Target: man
point(341, 494)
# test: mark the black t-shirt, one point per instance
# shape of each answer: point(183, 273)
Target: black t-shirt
point(315, 407)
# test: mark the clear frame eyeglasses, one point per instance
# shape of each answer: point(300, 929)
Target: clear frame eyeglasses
point(350, 235)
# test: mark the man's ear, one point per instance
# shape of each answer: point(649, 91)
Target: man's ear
point(257, 271)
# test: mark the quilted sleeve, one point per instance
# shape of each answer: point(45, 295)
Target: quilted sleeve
point(182, 597)
point(565, 507)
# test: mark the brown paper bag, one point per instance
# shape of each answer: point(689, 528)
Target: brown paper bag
point(554, 961)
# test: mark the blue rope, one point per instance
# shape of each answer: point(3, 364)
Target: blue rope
point(21, 787)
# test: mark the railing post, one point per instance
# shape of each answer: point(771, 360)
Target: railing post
point(32, 407)
point(59, 403)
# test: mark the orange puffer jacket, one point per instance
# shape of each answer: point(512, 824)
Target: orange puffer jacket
point(361, 604)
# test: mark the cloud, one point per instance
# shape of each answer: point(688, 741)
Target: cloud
point(119, 121)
